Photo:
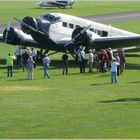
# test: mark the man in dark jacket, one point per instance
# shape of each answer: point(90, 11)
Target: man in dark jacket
point(65, 63)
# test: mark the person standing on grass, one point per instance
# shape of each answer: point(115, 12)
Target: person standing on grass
point(46, 63)
point(30, 67)
point(25, 57)
point(34, 55)
point(65, 63)
point(19, 56)
point(9, 62)
point(122, 61)
point(90, 61)
point(113, 70)
point(81, 59)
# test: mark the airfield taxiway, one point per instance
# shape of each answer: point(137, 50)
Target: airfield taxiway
point(115, 17)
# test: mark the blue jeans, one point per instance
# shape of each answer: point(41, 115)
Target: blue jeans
point(46, 74)
point(9, 71)
point(113, 77)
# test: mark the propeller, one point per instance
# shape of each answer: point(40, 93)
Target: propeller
point(32, 26)
point(75, 36)
point(7, 31)
point(81, 32)
point(22, 22)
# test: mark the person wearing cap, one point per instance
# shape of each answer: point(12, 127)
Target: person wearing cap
point(46, 63)
point(65, 63)
point(90, 61)
point(113, 70)
point(9, 62)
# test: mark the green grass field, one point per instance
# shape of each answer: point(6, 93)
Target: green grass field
point(21, 9)
point(84, 106)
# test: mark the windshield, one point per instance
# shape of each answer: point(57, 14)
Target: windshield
point(50, 17)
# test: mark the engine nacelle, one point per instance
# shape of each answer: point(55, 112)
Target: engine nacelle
point(31, 22)
point(10, 36)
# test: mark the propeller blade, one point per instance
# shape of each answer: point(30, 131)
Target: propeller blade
point(22, 22)
point(73, 39)
point(7, 30)
point(82, 32)
point(27, 25)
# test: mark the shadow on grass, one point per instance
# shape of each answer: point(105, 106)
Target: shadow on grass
point(132, 55)
point(134, 82)
point(122, 100)
point(45, 8)
point(60, 74)
point(98, 84)
point(131, 66)
point(11, 80)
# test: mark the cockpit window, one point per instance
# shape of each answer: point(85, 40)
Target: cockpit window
point(49, 17)
point(56, 19)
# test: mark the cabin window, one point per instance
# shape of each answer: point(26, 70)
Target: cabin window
point(104, 33)
point(91, 29)
point(64, 24)
point(71, 25)
point(99, 32)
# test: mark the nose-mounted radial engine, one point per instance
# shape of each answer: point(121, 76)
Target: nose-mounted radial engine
point(80, 37)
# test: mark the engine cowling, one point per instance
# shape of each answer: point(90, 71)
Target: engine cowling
point(10, 36)
point(81, 38)
point(31, 22)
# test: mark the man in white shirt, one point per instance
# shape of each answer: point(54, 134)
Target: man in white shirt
point(81, 60)
point(90, 61)
point(46, 62)
point(113, 70)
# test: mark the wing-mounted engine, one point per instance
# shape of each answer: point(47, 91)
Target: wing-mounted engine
point(15, 36)
point(28, 24)
point(38, 29)
point(10, 36)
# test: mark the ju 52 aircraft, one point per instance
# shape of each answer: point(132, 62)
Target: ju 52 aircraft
point(56, 3)
point(61, 32)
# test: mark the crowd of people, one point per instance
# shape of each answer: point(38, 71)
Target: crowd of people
point(102, 61)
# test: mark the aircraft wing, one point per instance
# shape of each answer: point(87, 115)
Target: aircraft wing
point(116, 42)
